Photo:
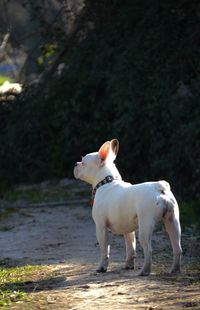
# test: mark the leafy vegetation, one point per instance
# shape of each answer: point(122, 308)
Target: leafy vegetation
point(190, 216)
point(131, 72)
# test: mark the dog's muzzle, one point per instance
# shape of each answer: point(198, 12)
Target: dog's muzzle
point(76, 170)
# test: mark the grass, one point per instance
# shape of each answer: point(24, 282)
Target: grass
point(6, 212)
point(190, 214)
point(4, 79)
point(51, 193)
point(37, 195)
point(15, 282)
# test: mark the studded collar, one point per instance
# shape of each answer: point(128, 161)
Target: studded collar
point(107, 179)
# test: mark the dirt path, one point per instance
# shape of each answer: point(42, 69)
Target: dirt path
point(63, 237)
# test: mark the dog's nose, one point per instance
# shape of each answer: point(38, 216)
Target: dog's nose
point(76, 164)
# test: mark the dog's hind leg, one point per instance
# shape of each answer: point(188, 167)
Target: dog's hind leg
point(130, 243)
point(146, 226)
point(172, 225)
point(173, 228)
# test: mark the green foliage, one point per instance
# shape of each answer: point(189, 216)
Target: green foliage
point(47, 52)
point(4, 79)
point(14, 280)
point(135, 76)
point(190, 214)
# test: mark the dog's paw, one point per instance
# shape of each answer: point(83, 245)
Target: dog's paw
point(103, 265)
point(129, 265)
point(174, 272)
point(101, 269)
point(143, 273)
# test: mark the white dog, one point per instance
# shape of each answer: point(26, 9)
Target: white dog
point(122, 208)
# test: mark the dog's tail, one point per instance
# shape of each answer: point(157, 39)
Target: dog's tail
point(167, 201)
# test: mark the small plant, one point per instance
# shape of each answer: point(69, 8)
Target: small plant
point(14, 282)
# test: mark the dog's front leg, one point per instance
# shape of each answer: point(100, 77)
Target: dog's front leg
point(102, 237)
point(130, 242)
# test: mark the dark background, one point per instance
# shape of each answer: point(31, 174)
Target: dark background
point(130, 71)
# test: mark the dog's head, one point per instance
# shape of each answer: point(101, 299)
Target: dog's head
point(94, 163)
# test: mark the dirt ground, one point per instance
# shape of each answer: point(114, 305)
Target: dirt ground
point(62, 237)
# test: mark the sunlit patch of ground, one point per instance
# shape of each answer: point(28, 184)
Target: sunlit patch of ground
point(53, 252)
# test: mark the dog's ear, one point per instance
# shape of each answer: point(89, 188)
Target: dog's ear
point(104, 150)
point(115, 146)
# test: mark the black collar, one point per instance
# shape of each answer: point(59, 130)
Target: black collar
point(107, 179)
